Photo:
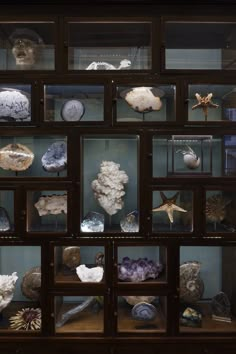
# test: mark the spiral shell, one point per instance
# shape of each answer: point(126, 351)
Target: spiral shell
point(191, 285)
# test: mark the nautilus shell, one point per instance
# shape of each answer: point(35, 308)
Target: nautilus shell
point(191, 284)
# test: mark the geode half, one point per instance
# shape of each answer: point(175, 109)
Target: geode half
point(16, 157)
point(55, 158)
point(138, 270)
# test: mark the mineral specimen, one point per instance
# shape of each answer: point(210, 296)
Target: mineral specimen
point(72, 110)
point(7, 287)
point(5, 224)
point(14, 105)
point(130, 223)
point(138, 270)
point(134, 300)
point(99, 259)
point(143, 311)
point(27, 319)
point(55, 158)
point(93, 222)
point(102, 65)
point(31, 284)
point(109, 187)
point(86, 274)
point(16, 157)
point(191, 318)
point(221, 308)
point(71, 256)
point(191, 285)
point(52, 204)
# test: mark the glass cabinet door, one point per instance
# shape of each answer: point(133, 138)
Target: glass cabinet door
point(7, 215)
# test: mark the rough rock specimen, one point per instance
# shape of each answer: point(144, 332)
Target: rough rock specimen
point(109, 187)
point(72, 110)
point(86, 274)
point(143, 99)
point(52, 204)
point(55, 158)
point(191, 284)
point(138, 270)
point(31, 284)
point(134, 300)
point(143, 311)
point(130, 223)
point(221, 308)
point(14, 105)
point(93, 222)
point(5, 224)
point(71, 256)
point(7, 287)
point(191, 318)
point(16, 157)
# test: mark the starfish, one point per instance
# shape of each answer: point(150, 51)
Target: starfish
point(169, 206)
point(205, 103)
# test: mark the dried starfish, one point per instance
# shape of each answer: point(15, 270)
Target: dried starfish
point(169, 206)
point(205, 103)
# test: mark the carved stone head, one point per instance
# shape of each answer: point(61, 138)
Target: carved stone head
point(26, 46)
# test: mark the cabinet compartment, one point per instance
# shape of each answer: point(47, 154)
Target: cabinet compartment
point(20, 294)
point(206, 288)
point(109, 45)
point(27, 45)
point(7, 218)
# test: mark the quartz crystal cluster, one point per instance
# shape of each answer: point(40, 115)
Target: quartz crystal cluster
point(7, 287)
point(138, 270)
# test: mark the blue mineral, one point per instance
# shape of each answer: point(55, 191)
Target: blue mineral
point(55, 158)
point(143, 311)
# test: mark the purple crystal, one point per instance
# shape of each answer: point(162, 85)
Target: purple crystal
point(138, 270)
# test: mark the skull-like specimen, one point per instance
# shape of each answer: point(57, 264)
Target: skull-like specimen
point(26, 46)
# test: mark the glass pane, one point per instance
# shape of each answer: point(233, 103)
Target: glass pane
point(75, 264)
point(145, 313)
point(15, 103)
point(146, 104)
point(230, 155)
point(27, 46)
point(79, 314)
point(6, 211)
point(220, 211)
point(74, 103)
point(211, 102)
point(20, 269)
point(142, 264)
point(31, 156)
point(110, 184)
point(172, 211)
point(183, 155)
point(109, 45)
point(207, 288)
point(213, 48)
point(47, 211)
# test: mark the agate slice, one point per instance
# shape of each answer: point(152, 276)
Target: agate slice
point(16, 157)
point(52, 204)
point(5, 224)
point(31, 284)
point(143, 311)
point(72, 110)
point(71, 256)
point(143, 99)
point(55, 158)
point(86, 274)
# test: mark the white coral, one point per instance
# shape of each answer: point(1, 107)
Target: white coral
point(109, 187)
point(7, 287)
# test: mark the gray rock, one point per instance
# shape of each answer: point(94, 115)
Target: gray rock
point(143, 311)
point(220, 305)
point(4, 220)
point(55, 158)
point(93, 222)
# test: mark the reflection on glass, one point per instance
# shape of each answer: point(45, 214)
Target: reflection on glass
point(47, 211)
point(110, 184)
point(230, 155)
point(212, 49)
point(145, 103)
point(20, 269)
point(6, 211)
point(75, 264)
point(145, 313)
point(208, 305)
point(172, 211)
point(220, 210)
point(74, 103)
point(79, 314)
point(27, 46)
point(141, 264)
point(109, 46)
point(31, 156)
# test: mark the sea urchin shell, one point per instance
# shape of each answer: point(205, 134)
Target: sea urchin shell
point(215, 208)
point(26, 319)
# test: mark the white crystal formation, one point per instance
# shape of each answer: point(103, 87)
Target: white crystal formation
point(142, 99)
point(86, 274)
point(14, 105)
point(108, 188)
point(52, 204)
point(7, 287)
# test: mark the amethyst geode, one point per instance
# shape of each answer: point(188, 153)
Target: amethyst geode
point(138, 270)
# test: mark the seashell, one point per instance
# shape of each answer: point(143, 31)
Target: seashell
point(7, 287)
point(27, 319)
point(191, 160)
point(52, 204)
point(85, 274)
point(143, 311)
point(16, 157)
point(215, 208)
point(72, 110)
point(71, 256)
point(191, 285)
point(31, 283)
point(143, 99)
point(134, 300)
point(55, 158)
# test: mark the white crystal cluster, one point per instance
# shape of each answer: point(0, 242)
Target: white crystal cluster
point(86, 274)
point(108, 188)
point(14, 104)
point(7, 287)
point(52, 204)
